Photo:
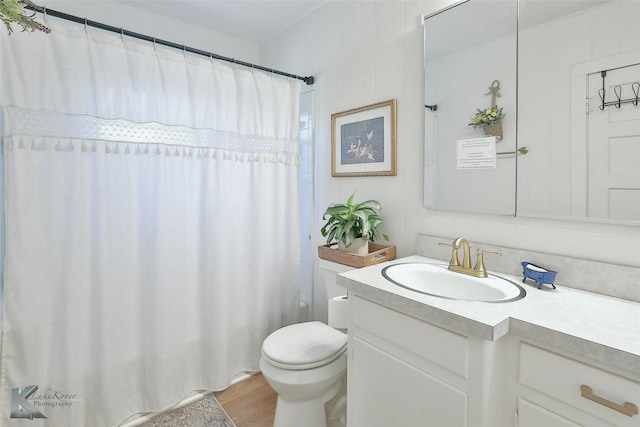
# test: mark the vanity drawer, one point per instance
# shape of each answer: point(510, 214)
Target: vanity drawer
point(444, 348)
point(562, 378)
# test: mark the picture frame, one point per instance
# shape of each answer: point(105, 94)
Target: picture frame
point(363, 141)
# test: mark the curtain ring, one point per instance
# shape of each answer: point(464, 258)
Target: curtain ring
point(85, 25)
point(122, 34)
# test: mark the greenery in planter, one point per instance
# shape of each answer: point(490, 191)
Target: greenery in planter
point(345, 223)
point(487, 117)
point(12, 11)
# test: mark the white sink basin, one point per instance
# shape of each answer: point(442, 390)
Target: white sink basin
point(437, 280)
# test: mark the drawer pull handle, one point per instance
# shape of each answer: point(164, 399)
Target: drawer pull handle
point(628, 408)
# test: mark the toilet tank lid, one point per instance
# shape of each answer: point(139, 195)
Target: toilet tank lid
point(304, 345)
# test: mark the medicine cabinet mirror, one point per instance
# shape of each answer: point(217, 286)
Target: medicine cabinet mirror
point(470, 58)
point(577, 112)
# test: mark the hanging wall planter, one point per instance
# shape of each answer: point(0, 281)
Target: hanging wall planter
point(490, 119)
point(494, 130)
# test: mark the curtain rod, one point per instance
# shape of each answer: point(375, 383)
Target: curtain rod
point(309, 80)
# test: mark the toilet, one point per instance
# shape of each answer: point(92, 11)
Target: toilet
point(306, 364)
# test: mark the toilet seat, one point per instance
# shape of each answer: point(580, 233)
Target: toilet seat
point(304, 346)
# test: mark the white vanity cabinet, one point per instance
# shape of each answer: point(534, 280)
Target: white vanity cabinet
point(406, 372)
point(416, 360)
point(550, 391)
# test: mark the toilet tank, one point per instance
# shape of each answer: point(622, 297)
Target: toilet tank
point(329, 270)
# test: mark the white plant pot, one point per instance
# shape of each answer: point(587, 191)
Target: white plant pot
point(360, 246)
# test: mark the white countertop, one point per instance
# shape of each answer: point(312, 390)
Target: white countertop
point(598, 327)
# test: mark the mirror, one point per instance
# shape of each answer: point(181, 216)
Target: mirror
point(583, 151)
point(470, 64)
point(584, 159)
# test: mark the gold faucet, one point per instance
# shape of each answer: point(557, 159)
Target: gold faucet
point(454, 265)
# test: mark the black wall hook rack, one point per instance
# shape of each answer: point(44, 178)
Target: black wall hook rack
point(432, 107)
point(617, 90)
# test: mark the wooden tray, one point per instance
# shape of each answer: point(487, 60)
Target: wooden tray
point(377, 254)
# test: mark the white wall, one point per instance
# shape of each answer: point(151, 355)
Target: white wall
point(370, 51)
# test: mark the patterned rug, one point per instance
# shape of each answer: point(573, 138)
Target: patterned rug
point(205, 412)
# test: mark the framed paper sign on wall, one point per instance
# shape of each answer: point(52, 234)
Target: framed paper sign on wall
point(363, 141)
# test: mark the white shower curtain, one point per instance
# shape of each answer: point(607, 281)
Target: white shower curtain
point(152, 227)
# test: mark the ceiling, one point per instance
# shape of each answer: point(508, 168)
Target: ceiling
point(252, 20)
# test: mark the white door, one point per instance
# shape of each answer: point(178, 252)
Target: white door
point(614, 147)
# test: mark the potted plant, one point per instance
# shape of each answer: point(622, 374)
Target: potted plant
point(353, 225)
point(490, 120)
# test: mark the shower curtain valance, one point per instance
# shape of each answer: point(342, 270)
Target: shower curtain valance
point(207, 142)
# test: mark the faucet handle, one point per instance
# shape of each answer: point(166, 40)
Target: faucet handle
point(479, 267)
point(454, 254)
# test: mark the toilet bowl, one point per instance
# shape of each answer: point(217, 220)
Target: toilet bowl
point(306, 364)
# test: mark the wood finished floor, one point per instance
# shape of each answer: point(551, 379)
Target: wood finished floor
point(249, 403)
